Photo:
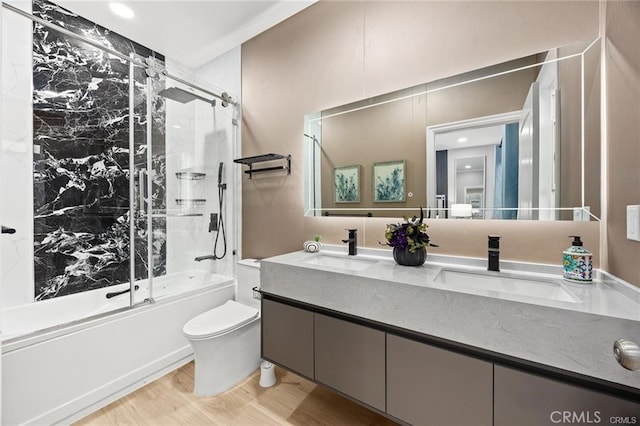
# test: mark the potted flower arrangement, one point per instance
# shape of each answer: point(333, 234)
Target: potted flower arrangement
point(409, 241)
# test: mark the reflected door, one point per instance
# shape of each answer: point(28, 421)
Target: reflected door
point(528, 156)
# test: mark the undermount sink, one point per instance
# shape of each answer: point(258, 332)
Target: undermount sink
point(500, 284)
point(350, 263)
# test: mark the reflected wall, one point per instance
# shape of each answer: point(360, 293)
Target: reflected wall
point(541, 94)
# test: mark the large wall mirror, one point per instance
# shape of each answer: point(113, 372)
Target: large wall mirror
point(517, 140)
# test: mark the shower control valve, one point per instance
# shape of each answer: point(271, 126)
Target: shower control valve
point(213, 222)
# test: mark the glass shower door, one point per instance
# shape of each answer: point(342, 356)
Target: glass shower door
point(73, 148)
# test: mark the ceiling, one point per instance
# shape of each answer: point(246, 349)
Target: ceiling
point(467, 138)
point(191, 32)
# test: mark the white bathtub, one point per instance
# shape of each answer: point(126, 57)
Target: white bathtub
point(58, 365)
point(21, 321)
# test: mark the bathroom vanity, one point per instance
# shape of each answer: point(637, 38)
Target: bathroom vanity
point(448, 342)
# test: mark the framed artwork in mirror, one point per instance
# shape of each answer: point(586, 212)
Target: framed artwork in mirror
point(389, 182)
point(346, 184)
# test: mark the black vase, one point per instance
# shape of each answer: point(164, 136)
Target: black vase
point(406, 258)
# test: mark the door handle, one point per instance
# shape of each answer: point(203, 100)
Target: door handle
point(627, 354)
point(142, 189)
point(7, 230)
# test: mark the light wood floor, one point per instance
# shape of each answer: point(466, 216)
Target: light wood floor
point(292, 401)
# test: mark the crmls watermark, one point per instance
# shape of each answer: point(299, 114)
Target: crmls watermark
point(573, 417)
point(628, 420)
point(589, 417)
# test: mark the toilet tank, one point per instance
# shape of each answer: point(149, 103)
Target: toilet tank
point(248, 278)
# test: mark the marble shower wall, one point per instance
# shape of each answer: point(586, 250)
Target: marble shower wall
point(81, 158)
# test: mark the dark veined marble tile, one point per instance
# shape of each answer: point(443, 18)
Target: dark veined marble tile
point(81, 171)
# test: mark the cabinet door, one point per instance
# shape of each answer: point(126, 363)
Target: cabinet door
point(287, 336)
point(527, 399)
point(350, 358)
point(433, 386)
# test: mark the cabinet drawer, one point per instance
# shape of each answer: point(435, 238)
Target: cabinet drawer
point(287, 336)
point(527, 399)
point(432, 386)
point(350, 358)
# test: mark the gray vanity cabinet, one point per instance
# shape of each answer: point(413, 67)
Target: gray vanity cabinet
point(432, 386)
point(351, 359)
point(527, 399)
point(287, 336)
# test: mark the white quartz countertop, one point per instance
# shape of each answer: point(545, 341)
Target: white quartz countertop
point(575, 334)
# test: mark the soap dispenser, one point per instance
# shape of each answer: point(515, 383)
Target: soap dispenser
point(576, 262)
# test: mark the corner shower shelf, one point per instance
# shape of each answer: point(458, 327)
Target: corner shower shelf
point(250, 161)
point(159, 215)
point(190, 175)
point(190, 201)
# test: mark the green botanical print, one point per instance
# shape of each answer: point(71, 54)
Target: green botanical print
point(391, 188)
point(346, 188)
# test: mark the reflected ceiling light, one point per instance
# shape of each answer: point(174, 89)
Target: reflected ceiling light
point(463, 139)
point(175, 126)
point(468, 166)
point(121, 10)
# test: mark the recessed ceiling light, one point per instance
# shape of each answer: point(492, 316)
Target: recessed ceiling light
point(121, 10)
point(462, 140)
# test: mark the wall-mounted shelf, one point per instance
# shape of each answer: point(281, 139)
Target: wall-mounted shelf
point(250, 161)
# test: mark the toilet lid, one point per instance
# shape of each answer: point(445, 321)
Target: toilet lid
point(219, 320)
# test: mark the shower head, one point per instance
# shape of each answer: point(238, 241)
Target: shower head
point(183, 96)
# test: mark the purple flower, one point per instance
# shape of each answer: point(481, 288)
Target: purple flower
point(410, 234)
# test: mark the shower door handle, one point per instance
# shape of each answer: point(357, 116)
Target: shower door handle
point(7, 230)
point(142, 189)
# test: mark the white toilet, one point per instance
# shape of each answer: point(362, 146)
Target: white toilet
point(226, 339)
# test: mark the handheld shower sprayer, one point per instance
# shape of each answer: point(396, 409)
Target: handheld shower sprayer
point(220, 184)
point(219, 225)
point(216, 223)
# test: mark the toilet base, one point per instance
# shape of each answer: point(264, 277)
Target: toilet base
point(224, 361)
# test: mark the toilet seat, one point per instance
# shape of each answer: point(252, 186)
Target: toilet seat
point(219, 320)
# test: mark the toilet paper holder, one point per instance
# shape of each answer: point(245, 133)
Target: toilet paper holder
point(257, 293)
point(267, 374)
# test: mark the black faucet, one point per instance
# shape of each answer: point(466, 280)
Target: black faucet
point(494, 253)
point(353, 241)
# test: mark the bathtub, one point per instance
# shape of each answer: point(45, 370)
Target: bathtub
point(65, 358)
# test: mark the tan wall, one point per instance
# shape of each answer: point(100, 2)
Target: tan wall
point(623, 101)
point(338, 52)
